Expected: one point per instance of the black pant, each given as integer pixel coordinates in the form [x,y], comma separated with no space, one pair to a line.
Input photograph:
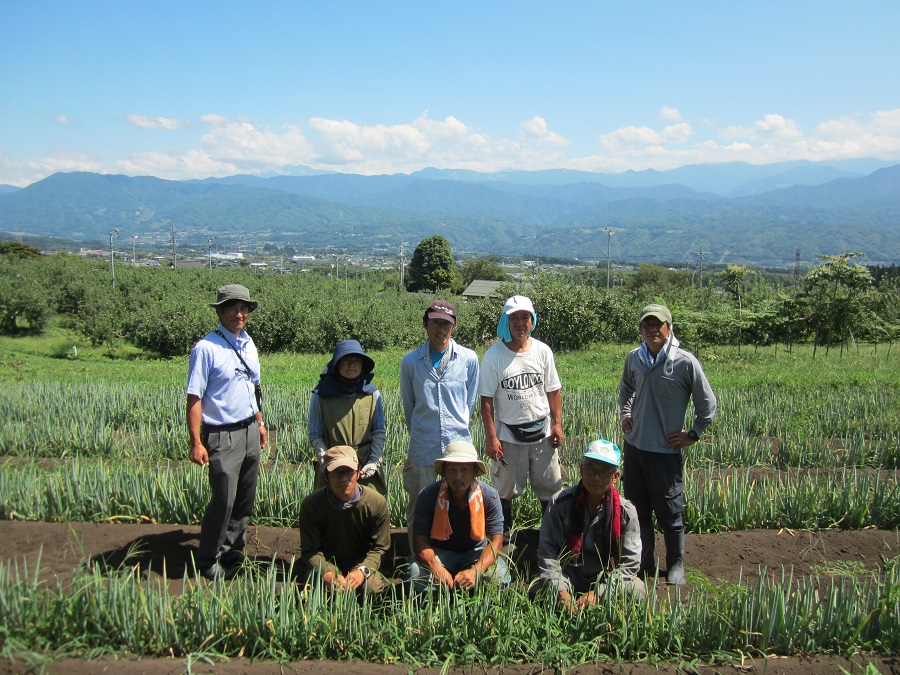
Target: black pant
[653,482]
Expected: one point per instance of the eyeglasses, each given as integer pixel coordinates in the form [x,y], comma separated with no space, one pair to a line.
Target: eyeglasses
[598,473]
[235,309]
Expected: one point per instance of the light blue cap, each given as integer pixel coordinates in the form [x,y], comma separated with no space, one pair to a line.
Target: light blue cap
[604,451]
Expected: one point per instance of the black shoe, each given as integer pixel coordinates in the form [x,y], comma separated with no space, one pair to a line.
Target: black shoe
[220,571]
[233,558]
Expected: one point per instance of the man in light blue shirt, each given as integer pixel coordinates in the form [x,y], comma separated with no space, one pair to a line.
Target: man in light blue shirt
[438,387]
[226,430]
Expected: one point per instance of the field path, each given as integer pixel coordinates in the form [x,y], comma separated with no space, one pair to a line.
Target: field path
[63,546]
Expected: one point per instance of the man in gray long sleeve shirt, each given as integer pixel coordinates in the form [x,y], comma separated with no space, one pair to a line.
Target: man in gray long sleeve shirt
[589,535]
[658,382]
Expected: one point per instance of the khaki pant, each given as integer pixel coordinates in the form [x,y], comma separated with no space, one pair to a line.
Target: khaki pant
[415,479]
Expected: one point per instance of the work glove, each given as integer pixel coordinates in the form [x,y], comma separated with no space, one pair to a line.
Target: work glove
[368,470]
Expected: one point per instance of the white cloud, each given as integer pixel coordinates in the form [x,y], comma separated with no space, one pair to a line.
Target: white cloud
[63,121]
[778,127]
[22,172]
[769,127]
[773,138]
[163,123]
[242,142]
[627,136]
[182,166]
[536,129]
[225,146]
[670,114]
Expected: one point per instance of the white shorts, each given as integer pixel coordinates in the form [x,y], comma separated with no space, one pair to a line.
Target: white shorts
[538,462]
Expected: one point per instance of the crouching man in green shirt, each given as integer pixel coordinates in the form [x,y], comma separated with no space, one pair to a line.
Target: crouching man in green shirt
[345,528]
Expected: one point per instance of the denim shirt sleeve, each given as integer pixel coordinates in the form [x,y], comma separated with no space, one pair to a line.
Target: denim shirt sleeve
[379,433]
[314,431]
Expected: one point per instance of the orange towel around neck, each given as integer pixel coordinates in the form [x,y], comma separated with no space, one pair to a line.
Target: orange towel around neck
[440,526]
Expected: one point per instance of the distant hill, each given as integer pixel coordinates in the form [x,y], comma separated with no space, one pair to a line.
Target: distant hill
[556,213]
[4,188]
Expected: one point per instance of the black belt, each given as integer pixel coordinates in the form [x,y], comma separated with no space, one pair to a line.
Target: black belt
[234,426]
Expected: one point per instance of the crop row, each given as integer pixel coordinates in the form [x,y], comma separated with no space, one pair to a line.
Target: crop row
[262,617]
[716,500]
[764,424]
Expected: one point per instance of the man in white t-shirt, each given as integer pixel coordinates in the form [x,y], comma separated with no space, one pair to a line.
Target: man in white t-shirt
[521,409]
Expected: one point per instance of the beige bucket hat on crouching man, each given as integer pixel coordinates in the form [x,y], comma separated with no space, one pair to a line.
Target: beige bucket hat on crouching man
[460,452]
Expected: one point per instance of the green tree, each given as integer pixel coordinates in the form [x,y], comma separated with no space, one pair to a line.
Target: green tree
[22,296]
[836,292]
[655,278]
[734,279]
[570,315]
[487,269]
[18,249]
[432,266]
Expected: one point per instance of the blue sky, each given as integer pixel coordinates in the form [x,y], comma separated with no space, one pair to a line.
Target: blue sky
[191,89]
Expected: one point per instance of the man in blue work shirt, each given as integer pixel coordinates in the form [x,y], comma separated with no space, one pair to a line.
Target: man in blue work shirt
[226,430]
[438,387]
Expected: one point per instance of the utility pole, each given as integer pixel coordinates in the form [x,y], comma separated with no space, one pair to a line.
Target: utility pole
[701,256]
[112,262]
[346,265]
[209,251]
[133,259]
[402,267]
[610,232]
[797,265]
[174,254]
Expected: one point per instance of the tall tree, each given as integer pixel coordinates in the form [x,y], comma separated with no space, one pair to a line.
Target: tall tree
[734,278]
[836,292]
[432,265]
[486,268]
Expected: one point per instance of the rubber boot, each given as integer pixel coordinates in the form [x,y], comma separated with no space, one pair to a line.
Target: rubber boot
[675,557]
[506,505]
[508,547]
[648,550]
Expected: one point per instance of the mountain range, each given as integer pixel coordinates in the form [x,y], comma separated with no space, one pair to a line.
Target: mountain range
[726,212]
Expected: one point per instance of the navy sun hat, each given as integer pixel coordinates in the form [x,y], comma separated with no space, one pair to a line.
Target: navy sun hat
[348,348]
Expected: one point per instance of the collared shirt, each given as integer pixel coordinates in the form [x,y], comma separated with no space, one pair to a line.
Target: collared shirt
[437,404]
[656,396]
[217,376]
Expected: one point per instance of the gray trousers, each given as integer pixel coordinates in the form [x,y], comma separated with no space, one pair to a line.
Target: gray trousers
[233,470]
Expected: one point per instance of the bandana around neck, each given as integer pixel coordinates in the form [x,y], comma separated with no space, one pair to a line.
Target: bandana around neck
[612,503]
[338,505]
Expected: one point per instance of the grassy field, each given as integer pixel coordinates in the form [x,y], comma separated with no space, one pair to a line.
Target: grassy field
[779,410]
[799,442]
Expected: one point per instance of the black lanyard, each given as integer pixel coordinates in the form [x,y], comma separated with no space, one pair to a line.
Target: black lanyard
[256,388]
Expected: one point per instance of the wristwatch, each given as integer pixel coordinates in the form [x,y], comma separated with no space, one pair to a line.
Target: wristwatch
[693,435]
[365,570]
[260,424]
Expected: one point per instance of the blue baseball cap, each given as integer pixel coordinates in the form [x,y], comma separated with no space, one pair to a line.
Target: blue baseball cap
[604,451]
